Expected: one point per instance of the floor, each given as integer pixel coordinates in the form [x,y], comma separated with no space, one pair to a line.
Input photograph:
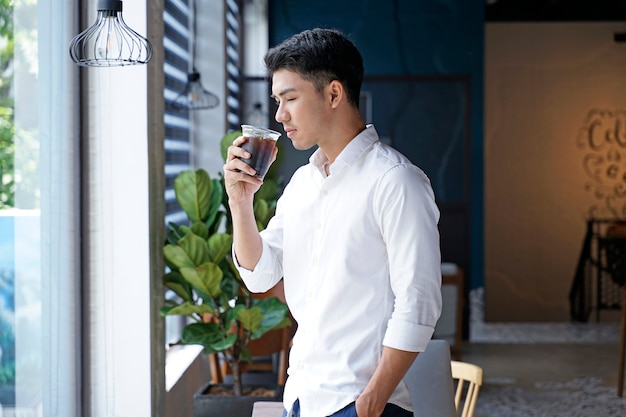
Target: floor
[546,369]
[547,380]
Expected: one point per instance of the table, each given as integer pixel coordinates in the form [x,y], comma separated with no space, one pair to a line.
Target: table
[267,409]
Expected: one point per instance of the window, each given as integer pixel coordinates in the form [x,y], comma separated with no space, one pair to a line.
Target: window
[233,64]
[39,213]
[177,124]
[177,121]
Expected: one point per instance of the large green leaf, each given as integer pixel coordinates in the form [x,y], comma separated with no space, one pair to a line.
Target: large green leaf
[220,245]
[193,192]
[209,335]
[250,318]
[231,314]
[224,344]
[261,210]
[217,192]
[176,257]
[175,282]
[196,248]
[188,309]
[268,190]
[204,334]
[274,313]
[227,140]
[175,233]
[231,285]
[200,229]
[205,278]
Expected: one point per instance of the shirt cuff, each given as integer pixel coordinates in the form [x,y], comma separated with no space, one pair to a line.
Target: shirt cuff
[260,279]
[407,336]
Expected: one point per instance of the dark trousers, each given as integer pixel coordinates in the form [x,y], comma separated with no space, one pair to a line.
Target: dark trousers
[391,410]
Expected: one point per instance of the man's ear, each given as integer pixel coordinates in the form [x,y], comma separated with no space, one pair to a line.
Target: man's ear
[336,93]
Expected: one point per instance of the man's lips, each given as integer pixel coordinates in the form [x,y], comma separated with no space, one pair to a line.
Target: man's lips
[289,131]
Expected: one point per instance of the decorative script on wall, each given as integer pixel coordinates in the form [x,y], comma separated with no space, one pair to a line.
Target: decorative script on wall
[603,138]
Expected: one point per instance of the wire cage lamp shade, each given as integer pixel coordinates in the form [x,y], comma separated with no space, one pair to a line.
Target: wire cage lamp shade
[109,42]
[195,96]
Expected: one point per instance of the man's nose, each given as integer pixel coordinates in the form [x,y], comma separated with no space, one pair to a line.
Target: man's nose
[281,114]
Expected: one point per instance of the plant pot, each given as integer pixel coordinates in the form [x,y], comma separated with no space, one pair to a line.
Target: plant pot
[221,405]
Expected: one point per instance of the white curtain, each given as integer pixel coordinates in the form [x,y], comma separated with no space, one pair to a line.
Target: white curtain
[59,174]
[120,340]
[87,335]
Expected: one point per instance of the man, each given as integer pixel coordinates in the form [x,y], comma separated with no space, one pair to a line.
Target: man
[354,236]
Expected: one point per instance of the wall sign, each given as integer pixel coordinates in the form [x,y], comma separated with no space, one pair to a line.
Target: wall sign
[603,138]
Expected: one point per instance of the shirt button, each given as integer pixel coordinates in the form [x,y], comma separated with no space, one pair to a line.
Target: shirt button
[324,192]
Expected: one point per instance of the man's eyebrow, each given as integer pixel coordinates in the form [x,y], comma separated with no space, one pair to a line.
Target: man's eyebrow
[282,93]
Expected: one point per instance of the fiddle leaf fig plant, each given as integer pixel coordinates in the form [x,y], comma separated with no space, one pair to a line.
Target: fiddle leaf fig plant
[223,315]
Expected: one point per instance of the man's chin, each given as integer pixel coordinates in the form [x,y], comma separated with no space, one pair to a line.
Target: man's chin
[301,146]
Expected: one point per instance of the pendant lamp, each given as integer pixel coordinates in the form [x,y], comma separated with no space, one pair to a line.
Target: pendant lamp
[257,116]
[109,42]
[194,96]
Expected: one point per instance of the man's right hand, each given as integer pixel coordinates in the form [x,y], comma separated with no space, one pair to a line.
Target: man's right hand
[239,181]
[240,186]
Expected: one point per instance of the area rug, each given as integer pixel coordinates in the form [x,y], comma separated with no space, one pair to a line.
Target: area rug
[582,397]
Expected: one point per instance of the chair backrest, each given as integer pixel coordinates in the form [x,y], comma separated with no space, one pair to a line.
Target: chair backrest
[430,382]
[468,378]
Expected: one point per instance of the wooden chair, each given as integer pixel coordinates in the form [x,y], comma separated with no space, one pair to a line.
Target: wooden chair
[468,378]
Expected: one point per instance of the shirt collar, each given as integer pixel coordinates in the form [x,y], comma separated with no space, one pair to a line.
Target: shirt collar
[353,151]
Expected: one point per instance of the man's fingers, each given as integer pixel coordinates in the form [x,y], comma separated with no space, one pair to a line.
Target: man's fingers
[235,150]
[274,154]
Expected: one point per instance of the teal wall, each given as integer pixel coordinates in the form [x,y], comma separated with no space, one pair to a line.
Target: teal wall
[416,45]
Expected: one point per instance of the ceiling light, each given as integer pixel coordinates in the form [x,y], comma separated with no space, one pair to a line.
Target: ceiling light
[194,96]
[109,42]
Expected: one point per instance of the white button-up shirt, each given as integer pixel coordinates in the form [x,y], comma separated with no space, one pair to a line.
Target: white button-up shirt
[359,253]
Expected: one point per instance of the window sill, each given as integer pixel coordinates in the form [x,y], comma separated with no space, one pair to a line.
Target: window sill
[177,361]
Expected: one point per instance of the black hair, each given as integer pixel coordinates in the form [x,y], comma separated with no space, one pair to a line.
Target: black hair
[320,56]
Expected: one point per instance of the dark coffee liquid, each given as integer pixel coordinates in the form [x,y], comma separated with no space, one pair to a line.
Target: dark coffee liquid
[261,153]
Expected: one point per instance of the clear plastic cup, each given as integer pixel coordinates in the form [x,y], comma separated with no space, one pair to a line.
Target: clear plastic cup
[260,142]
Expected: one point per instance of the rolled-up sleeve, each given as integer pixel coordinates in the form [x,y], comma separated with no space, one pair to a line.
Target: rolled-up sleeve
[408,221]
[266,273]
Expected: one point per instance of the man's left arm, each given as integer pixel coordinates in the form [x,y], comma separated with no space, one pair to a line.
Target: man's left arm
[408,218]
[393,366]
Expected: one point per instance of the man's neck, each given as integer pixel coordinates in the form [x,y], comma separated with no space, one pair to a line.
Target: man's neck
[341,137]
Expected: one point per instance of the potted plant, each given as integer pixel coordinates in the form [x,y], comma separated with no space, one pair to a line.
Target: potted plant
[224,316]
